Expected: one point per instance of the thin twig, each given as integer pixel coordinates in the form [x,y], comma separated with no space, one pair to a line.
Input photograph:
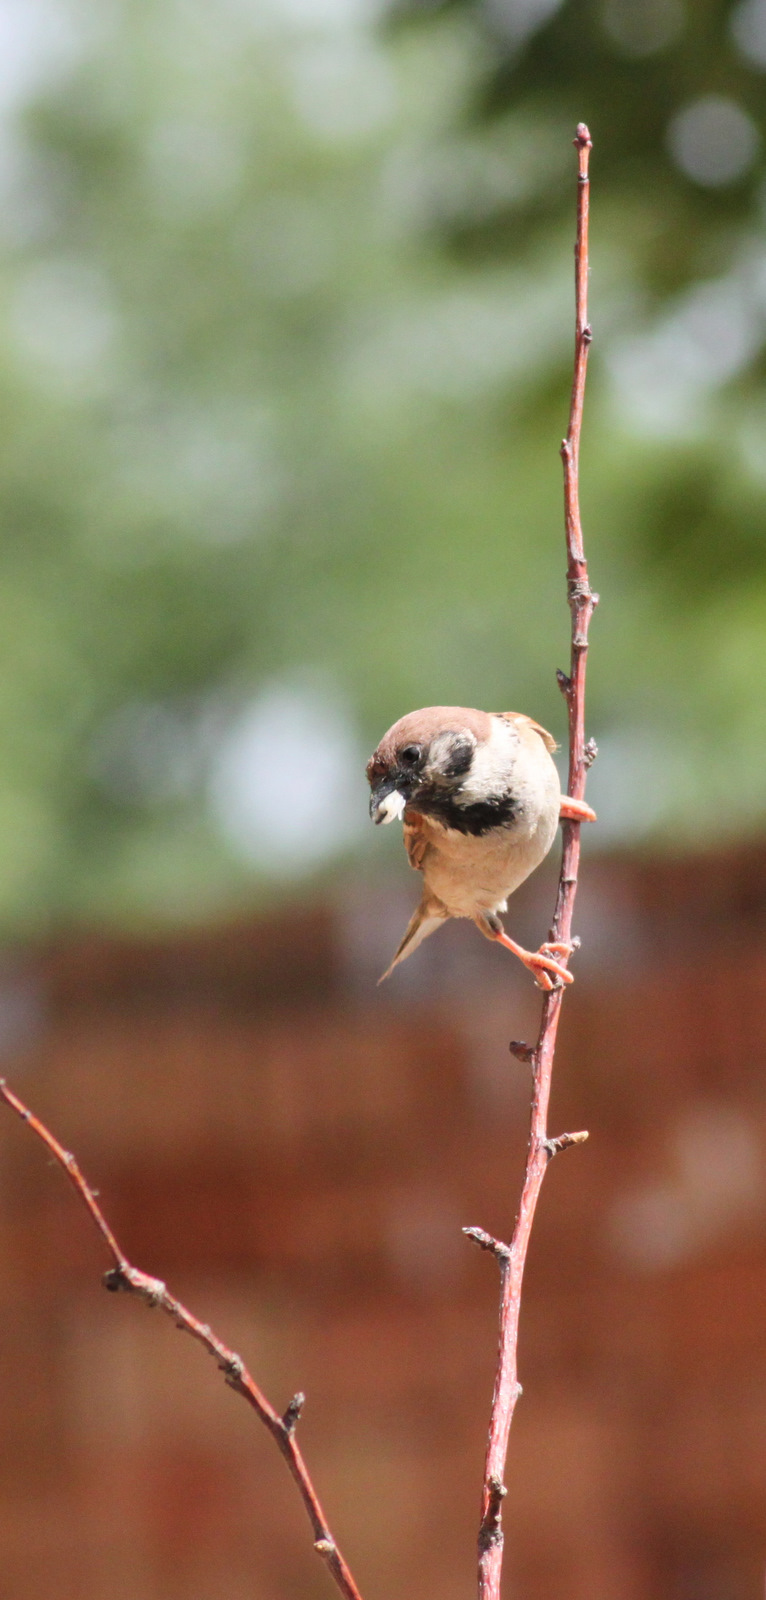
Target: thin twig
[153,1291]
[511,1258]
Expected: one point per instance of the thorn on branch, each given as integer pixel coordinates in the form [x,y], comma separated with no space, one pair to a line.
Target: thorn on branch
[564,1141]
[233,1369]
[491,1532]
[123,1276]
[486,1241]
[580,589]
[523,1051]
[291,1416]
[115,1279]
[590,752]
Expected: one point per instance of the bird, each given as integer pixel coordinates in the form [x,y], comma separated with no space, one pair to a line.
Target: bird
[480,800]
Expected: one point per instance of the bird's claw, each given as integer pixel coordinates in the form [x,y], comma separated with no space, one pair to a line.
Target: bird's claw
[542,964]
[548,973]
[575,810]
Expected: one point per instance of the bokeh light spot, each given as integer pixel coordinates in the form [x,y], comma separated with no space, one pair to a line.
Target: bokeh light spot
[288,787]
[643,29]
[63,321]
[713,141]
[748,28]
[516,20]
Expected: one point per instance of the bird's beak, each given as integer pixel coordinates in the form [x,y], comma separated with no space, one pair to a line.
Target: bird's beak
[386,801]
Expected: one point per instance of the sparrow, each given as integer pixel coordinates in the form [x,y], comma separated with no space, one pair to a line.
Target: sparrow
[480,800]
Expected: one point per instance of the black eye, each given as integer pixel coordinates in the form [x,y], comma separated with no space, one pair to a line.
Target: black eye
[410,755]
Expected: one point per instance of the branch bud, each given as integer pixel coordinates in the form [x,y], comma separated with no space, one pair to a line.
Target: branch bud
[291,1416]
[564,1141]
[523,1051]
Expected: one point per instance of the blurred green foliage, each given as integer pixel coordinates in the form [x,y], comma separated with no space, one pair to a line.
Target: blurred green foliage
[285,342]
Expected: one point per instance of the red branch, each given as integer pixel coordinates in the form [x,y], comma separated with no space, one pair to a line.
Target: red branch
[153,1291]
[511,1258]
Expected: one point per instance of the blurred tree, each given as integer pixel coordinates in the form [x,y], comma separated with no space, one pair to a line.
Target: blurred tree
[285,336]
[676,472]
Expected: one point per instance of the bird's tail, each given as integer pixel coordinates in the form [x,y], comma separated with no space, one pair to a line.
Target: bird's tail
[422,922]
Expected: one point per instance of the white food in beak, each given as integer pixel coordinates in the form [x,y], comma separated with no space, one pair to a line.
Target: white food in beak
[392,806]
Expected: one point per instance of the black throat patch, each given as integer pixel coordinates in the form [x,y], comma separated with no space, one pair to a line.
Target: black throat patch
[475,819]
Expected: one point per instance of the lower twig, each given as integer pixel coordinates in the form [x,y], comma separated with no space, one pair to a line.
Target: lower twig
[123,1276]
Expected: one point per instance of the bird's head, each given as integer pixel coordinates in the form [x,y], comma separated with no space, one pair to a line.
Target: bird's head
[426,751]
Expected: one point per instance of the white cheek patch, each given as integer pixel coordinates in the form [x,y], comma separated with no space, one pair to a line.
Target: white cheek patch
[492,763]
[392,807]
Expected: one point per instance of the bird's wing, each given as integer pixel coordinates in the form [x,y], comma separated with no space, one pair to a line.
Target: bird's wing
[534,727]
[417,837]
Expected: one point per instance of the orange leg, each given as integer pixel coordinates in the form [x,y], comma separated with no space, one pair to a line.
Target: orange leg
[575,810]
[540,962]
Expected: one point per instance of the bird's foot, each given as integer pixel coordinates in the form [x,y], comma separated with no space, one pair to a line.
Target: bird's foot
[575,810]
[548,973]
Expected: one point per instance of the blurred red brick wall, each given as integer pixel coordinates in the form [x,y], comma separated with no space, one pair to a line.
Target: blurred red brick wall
[296,1152]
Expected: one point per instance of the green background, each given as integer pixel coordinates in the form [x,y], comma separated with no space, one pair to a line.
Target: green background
[285,350]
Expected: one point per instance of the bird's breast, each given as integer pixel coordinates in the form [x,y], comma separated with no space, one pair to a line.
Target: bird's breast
[470,872]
